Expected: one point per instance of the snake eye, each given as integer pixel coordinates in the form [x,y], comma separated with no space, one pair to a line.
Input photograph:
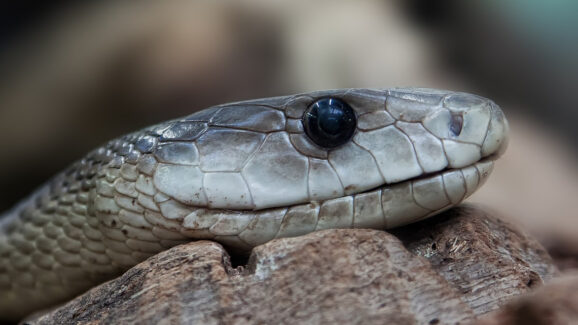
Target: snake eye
[329,122]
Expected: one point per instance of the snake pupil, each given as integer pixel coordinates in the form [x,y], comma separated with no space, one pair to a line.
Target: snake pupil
[329,122]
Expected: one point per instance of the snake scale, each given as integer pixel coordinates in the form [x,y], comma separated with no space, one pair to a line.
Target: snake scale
[243,174]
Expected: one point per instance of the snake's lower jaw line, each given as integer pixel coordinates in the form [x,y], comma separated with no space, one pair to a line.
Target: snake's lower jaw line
[431,194]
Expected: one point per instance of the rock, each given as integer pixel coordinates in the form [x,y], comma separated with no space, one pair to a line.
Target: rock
[564,252]
[486,259]
[556,303]
[447,270]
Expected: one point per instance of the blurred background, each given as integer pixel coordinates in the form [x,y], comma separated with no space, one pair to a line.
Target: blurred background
[73,76]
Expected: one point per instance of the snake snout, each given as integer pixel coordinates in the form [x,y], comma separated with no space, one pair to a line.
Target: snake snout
[496,140]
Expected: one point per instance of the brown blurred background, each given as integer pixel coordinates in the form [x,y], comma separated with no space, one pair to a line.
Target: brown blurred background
[74,76]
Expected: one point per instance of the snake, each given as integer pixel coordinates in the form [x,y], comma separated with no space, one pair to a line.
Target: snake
[243,174]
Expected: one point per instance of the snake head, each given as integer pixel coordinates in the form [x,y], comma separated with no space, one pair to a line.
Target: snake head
[243,174]
[290,150]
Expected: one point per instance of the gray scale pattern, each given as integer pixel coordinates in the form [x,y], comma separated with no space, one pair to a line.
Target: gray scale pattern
[243,174]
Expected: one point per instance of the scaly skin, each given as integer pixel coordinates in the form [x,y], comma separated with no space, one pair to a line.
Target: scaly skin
[243,174]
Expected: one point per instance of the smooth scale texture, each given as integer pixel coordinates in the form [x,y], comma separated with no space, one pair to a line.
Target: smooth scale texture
[243,174]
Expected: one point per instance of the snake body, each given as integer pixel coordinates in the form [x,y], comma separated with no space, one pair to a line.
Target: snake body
[243,174]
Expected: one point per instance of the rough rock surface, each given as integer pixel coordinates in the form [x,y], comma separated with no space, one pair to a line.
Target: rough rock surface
[447,270]
[486,259]
[556,303]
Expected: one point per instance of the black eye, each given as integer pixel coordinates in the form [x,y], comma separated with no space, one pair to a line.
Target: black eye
[329,122]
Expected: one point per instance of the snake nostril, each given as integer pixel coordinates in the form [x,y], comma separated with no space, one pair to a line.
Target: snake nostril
[456,124]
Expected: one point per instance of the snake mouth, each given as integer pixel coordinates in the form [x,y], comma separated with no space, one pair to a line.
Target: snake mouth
[488,159]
